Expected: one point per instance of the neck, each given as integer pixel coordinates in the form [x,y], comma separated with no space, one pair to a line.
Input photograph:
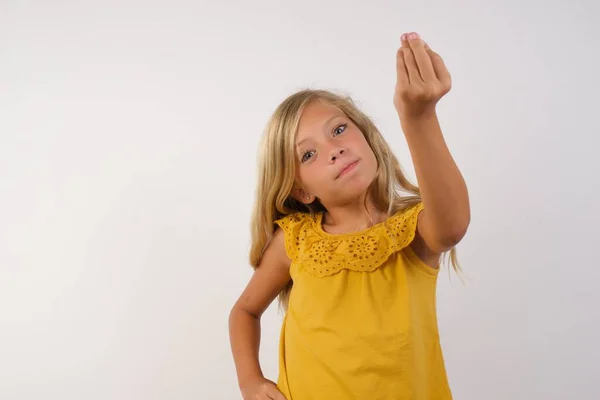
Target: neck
[352,217]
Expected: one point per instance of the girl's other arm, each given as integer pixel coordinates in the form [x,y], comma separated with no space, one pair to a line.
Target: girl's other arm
[268,280]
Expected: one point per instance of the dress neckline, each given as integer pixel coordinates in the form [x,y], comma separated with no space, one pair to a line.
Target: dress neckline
[318,225]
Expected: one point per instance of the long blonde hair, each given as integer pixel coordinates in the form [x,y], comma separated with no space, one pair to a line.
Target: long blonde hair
[276,173]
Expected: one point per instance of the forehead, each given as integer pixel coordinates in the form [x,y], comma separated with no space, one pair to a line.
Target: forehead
[315,117]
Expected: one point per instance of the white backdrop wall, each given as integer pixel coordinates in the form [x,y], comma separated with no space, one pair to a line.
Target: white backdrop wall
[128,142]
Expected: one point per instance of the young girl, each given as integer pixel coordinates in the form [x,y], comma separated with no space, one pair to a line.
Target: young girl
[355,263]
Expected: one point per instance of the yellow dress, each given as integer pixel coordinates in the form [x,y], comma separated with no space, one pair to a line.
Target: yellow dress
[361,321]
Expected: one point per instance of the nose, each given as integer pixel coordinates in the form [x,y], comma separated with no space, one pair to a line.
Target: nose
[336,152]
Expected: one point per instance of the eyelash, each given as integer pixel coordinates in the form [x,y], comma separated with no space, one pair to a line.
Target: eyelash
[303,157]
[339,126]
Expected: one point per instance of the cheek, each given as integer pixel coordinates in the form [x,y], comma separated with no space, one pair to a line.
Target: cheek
[366,153]
[362,146]
[311,176]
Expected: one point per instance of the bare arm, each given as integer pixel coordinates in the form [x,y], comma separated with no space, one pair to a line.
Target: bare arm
[422,80]
[269,279]
[444,221]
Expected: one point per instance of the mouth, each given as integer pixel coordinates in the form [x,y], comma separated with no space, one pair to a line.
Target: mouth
[347,169]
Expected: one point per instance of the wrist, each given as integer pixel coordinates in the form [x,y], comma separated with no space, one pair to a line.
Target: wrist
[250,378]
[417,117]
[419,124]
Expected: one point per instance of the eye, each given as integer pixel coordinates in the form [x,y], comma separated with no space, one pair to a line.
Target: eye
[337,131]
[306,156]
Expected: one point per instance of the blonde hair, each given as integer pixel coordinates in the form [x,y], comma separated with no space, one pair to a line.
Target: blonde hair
[277,168]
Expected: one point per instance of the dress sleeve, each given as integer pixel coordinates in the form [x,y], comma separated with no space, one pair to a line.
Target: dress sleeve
[292,226]
[403,226]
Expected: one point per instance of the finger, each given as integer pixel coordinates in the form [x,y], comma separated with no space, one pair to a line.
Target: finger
[422,57]
[274,393]
[409,61]
[439,66]
[401,72]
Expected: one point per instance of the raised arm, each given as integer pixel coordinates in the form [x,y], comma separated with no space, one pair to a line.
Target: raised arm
[421,82]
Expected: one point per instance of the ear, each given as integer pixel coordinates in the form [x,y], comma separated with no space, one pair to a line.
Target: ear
[302,196]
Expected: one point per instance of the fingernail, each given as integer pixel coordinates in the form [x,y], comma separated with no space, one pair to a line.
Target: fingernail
[414,35]
[403,37]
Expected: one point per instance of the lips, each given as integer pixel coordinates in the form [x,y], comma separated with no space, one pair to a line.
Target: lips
[346,168]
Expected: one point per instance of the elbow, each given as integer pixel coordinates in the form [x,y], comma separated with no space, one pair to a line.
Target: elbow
[444,230]
[234,314]
[446,239]
[231,319]
[456,233]
[238,311]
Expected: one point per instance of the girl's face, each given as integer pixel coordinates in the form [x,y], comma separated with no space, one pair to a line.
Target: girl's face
[334,161]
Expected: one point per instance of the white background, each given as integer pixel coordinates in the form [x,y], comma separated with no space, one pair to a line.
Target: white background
[128,142]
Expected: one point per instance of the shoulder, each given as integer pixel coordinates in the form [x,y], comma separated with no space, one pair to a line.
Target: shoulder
[271,276]
[404,222]
[293,220]
[411,218]
[293,229]
[410,210]
[293,224]
[275,251]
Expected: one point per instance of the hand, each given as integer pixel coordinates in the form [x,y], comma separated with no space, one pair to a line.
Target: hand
[261,389]
[422,78]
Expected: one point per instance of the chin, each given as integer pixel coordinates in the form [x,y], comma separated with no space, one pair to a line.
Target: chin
[355,187]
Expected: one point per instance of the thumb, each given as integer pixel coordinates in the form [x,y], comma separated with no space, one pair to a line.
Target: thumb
[438,65]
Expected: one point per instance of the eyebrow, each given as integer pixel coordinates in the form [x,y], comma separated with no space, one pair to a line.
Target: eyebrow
[326,123]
